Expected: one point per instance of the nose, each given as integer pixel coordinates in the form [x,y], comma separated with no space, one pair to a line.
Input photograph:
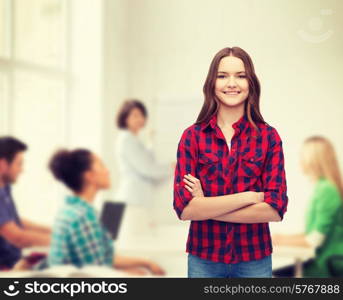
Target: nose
[231,83]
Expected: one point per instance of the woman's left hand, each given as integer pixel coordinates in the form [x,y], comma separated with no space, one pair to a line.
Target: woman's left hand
[155,269]
[137,271]
[193,185]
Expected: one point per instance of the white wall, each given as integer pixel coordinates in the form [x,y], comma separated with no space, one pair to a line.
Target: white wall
[171,44]
[115,78]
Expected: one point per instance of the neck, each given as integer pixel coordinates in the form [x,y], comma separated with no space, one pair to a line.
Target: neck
[229,115]
[133,131]
[2,183]
[87,194]
[313,178]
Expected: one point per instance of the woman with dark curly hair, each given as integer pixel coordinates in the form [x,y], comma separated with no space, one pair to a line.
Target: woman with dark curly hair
[78,238]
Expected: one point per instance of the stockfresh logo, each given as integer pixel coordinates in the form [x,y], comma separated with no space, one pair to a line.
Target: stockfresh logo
[315,31]
[11,290]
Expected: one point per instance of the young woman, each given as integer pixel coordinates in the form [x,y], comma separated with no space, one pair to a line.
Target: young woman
[139,172]
[78,238]
[324,217]
[230,179]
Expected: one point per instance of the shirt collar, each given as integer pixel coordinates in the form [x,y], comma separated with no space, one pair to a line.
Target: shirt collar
[239,126]
[5,189]
[76,200]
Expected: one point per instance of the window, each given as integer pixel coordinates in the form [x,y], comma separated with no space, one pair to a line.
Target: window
[40,32]
[51,71]
[34,88]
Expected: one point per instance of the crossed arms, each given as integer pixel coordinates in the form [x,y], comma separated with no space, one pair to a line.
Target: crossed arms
[245,207]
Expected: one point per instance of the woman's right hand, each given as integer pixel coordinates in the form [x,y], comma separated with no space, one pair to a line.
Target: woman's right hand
[193,185]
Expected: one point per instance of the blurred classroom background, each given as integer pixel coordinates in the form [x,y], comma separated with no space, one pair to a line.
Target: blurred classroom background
[66,67]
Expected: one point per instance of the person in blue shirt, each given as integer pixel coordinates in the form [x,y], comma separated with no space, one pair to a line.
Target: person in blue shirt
[78,237]
[15,232]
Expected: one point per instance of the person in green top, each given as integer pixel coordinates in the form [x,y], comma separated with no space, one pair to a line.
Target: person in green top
[324,216]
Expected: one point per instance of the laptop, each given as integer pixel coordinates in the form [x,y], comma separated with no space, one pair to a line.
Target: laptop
[111,217]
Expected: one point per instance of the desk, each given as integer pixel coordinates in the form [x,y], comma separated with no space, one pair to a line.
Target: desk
[167,247]
[286,255]
[167,244]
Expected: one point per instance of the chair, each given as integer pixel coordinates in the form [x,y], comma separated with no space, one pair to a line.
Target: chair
[335,265]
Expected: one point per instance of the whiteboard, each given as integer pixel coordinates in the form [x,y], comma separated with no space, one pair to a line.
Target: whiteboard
[173,114]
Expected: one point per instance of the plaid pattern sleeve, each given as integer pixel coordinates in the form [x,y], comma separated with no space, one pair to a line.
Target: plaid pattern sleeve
[254,162]
[274,178]
[186,163]
[78,237]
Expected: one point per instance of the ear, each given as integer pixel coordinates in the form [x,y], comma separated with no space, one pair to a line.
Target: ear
[87,176]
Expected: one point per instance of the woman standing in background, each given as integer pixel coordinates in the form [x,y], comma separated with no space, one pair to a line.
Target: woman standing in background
[324,217]
[139,171]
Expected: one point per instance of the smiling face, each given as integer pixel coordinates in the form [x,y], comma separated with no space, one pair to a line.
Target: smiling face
[231,86]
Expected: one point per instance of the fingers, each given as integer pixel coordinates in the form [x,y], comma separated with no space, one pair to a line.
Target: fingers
[157,270]
[191,183]
[191,178]
[136,271]
[188,189]
[188,182]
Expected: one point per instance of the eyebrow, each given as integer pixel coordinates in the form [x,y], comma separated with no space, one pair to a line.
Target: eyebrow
[228,73]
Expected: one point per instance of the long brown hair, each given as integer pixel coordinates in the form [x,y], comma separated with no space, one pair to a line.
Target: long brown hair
[211,102]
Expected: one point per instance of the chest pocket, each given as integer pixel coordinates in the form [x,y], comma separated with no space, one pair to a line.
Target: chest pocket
[208,166]
[251,165]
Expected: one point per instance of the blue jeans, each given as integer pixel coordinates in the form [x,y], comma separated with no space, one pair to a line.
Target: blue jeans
[199,267]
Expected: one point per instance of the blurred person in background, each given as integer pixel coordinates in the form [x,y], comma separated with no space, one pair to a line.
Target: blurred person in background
[15,232]
[139,171]
[324,216]
[78,237]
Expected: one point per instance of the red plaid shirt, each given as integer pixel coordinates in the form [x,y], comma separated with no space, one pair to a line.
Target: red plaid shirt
[255,162]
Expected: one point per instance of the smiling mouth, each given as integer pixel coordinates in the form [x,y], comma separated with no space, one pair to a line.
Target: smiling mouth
[232,93]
